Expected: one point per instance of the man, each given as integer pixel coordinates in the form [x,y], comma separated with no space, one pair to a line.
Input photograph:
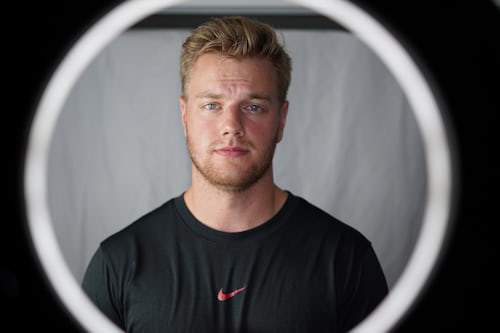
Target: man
[235,253]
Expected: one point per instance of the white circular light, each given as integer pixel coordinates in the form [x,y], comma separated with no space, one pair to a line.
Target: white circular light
[367,29]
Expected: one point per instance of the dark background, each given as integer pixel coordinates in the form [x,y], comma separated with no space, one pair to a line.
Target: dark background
[457,43]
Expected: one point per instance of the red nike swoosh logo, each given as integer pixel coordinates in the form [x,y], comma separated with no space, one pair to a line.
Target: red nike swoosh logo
[222,297]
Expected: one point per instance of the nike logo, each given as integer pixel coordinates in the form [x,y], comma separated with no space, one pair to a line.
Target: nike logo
[222,297]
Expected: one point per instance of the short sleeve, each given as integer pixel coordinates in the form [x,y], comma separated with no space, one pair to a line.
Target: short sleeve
[99,284]
[364,288]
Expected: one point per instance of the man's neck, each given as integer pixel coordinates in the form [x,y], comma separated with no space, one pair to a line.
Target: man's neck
[234,211]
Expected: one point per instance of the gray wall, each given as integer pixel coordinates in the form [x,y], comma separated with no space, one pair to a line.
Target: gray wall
[351,144]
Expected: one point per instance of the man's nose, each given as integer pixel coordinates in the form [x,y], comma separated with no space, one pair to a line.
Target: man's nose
[232,124]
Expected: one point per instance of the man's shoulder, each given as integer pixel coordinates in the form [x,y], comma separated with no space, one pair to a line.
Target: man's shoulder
[148,226]
[318,220]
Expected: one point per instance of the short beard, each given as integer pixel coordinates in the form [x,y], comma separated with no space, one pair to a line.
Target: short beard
[237,184]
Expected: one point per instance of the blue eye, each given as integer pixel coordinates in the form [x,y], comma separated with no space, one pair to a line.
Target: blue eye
[254,108]
[210,106]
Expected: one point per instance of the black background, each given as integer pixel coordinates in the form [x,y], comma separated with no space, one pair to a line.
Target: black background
[457,43]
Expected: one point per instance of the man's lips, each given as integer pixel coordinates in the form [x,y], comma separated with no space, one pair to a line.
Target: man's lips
[231,151]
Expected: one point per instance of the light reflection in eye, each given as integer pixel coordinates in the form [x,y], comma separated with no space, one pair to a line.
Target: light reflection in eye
[210,106]
[254,108]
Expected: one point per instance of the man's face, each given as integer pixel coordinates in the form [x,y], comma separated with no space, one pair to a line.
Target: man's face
[232,119]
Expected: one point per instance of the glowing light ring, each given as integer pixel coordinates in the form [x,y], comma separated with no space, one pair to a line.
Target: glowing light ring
[436,148]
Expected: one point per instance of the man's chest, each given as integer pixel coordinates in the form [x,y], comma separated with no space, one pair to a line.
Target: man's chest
[255,291]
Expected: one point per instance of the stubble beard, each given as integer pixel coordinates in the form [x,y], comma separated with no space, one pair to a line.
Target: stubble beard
[243,180]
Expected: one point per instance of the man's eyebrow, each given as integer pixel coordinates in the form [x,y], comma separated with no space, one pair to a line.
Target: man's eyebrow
[259,96]
[207,94]
[211,95]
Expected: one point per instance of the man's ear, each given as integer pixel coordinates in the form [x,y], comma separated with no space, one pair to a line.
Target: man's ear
[283,114]
[182,104]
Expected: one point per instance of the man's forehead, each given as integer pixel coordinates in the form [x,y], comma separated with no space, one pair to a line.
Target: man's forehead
[226,65]
[211,78]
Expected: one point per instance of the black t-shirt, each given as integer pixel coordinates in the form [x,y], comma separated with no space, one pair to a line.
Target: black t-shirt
[301,271]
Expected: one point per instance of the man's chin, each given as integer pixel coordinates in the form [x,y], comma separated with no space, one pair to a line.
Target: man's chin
[233,185]
[237,178]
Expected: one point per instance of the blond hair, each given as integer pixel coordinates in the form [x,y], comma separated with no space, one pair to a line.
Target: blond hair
[238,37]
